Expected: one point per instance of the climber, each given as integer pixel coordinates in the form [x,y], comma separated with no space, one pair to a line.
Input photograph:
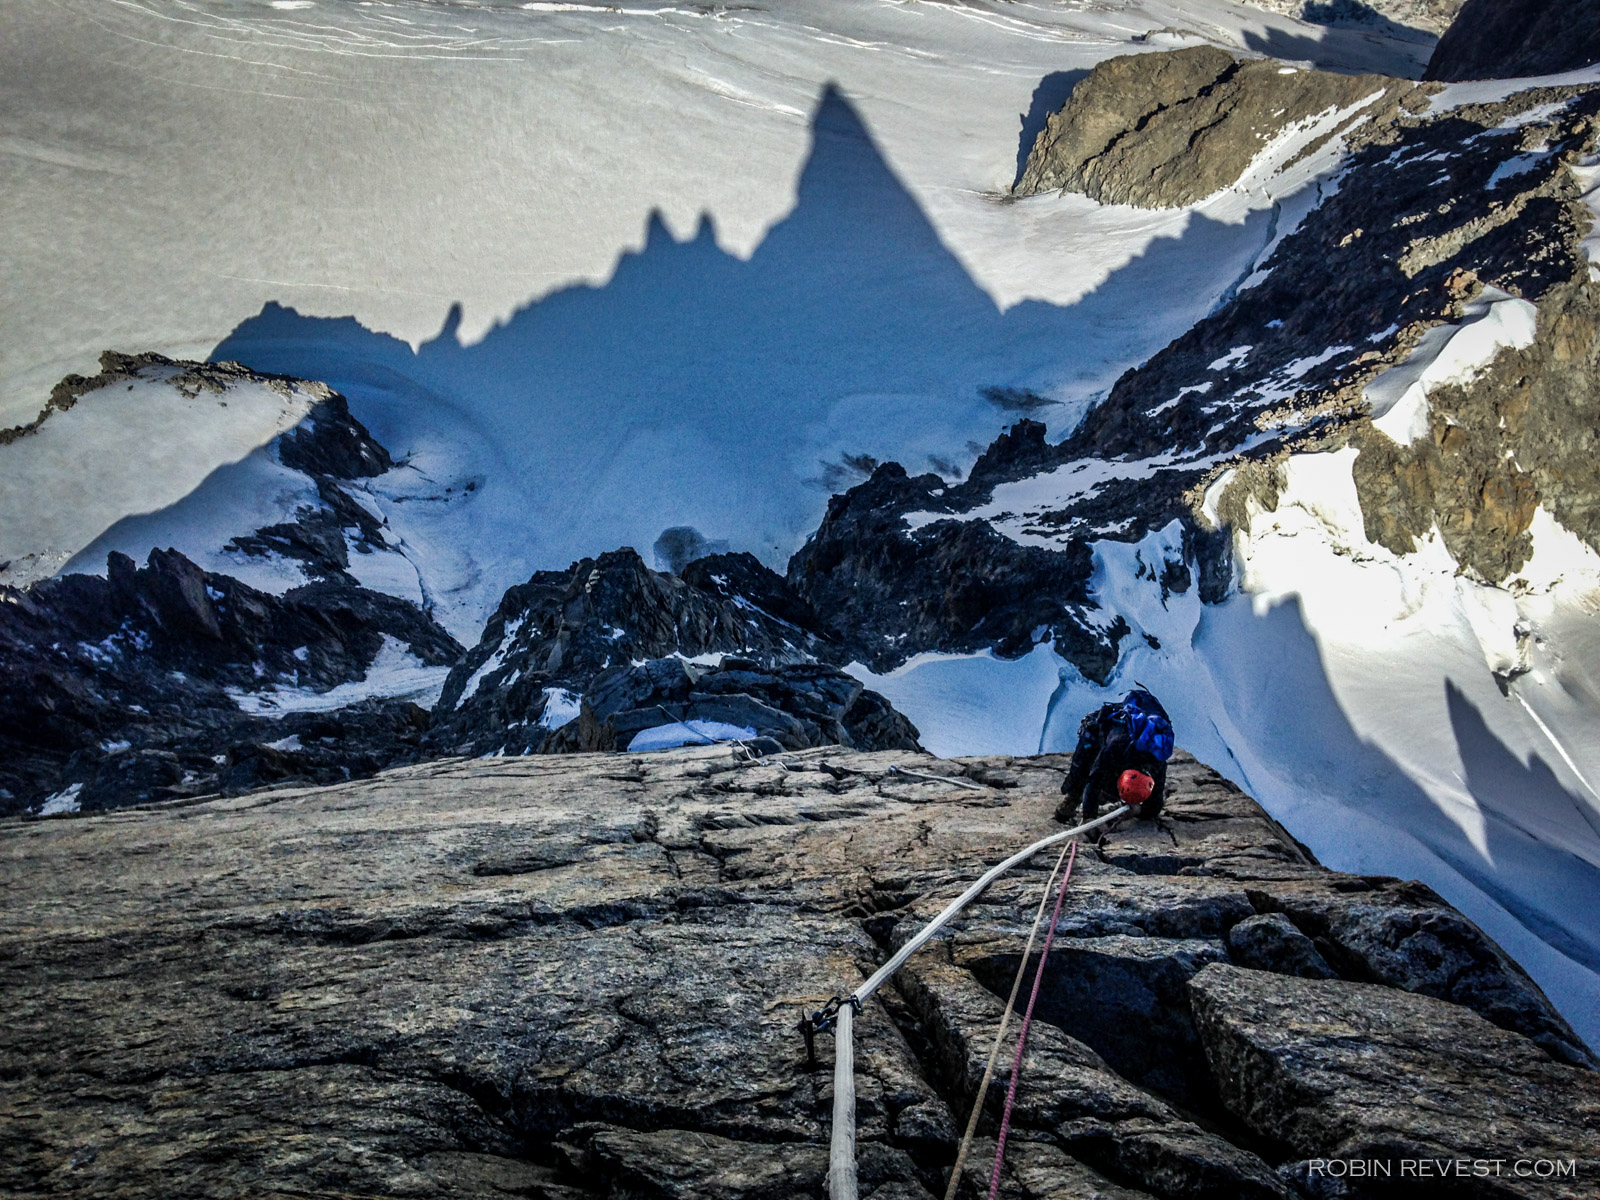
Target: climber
[1121,758]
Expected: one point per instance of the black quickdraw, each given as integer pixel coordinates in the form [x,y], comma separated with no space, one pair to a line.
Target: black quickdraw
[822,1019]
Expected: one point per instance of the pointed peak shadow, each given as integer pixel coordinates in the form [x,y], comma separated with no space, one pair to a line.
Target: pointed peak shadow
[694,387]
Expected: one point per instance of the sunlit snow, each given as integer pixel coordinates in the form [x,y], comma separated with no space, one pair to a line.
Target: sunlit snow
[395,674]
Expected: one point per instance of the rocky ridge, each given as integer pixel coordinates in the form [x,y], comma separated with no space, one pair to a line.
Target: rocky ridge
[188,377]
[1432,221]
[1163,130]
[128,688]
[580,976]
[585,659]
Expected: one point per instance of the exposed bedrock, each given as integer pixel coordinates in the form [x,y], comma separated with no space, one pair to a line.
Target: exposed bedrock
[1520,434]
[893,586]
[586,658]
[1336,1070]
[579,976]
[128,687]
[1506,39]
[1166,129]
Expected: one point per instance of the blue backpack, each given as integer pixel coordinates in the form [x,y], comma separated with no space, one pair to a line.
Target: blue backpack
[1148,726]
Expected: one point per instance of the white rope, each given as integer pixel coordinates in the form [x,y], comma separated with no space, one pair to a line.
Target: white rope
[971,894]
[964,783]
[842,1154]
[1005,1021]
[842,1151]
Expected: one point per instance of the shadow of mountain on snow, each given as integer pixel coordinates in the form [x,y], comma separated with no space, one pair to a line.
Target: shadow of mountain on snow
[698,389]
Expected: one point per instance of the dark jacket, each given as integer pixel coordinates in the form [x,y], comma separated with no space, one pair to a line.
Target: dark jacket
[1104,751]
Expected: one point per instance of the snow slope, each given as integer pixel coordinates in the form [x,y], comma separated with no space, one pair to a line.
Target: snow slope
[388,159]
[74,477]
[592,253]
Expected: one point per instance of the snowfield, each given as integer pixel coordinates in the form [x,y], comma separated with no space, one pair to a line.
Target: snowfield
[566,260]
[131,448]
[591,272]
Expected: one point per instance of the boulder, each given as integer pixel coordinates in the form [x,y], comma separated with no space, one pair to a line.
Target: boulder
[1270,942]
[1169,128]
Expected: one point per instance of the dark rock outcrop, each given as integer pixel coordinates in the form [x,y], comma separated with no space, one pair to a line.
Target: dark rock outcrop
[579,977]
[334,450]
[948,584]
[1507,39]
[1167,129]
[554,638]
[128,687]
[796,705]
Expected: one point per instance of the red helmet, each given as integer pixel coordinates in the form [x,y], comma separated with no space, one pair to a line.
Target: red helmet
[1134,787]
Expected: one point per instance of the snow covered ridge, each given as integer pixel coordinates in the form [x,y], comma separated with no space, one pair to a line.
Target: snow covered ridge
[139,436]
[264,478]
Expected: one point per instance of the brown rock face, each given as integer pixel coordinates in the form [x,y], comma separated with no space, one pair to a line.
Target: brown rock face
[580,977]
[1520,434]
[1165,129]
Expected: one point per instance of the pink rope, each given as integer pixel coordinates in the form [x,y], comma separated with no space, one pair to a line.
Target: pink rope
[1022,1035]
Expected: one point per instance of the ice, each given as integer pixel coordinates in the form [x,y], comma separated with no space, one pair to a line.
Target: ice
[395,674]
[64,801]
[687,733]
[560,707]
